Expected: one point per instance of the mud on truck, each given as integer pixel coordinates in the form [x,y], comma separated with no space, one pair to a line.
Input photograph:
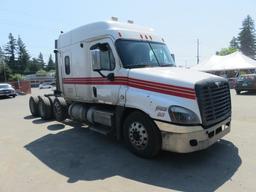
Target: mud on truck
[121,80]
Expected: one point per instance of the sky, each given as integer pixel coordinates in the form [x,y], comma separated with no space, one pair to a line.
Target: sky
[180,22]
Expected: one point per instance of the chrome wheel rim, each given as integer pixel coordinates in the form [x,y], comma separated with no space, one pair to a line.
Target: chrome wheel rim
[138,135]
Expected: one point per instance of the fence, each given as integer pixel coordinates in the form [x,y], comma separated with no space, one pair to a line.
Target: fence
[22,86]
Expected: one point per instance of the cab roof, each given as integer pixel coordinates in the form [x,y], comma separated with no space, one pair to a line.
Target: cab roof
[107,28]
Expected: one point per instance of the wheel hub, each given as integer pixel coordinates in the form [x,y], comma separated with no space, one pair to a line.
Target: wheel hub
[138,135]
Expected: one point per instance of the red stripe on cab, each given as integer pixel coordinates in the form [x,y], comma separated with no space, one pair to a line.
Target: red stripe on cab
[167,89]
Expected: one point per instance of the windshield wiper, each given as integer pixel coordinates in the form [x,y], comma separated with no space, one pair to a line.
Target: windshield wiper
[167,65]
[139,66]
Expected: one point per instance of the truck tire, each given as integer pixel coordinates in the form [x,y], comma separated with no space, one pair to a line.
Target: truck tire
[141,135]
[52,98]
[45,108]
[60,109]
[33,106]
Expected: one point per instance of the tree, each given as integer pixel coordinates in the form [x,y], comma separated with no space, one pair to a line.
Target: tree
[51,64]
[4,69]
[23,56]
[234,43]
[247,38]
[16,77]
[226,51]
[1,54]
[41,72]
[10,50]
[33,66]
[40,60]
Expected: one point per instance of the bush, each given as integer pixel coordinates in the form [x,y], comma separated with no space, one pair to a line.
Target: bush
[16,77]
[41,72]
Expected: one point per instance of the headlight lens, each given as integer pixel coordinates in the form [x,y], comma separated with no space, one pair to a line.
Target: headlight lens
[182,115]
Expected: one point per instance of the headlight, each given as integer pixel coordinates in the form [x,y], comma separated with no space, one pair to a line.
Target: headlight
[182,115]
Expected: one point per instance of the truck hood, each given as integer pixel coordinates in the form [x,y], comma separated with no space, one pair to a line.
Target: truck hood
[171,76]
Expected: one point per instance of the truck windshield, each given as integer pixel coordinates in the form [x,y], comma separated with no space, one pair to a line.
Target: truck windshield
[135,54]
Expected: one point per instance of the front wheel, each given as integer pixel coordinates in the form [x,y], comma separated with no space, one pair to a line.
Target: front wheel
[141,135]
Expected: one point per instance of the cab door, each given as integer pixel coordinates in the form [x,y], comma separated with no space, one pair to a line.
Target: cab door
[105,84]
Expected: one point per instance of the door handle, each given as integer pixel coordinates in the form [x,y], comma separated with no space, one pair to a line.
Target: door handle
[94,89]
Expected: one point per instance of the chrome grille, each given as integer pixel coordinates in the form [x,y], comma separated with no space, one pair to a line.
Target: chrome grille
[214,101]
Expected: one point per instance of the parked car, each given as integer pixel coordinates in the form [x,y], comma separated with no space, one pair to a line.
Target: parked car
[246,83]
[7,90]
[47,85]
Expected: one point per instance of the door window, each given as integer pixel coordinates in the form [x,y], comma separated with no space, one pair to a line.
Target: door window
[107,60]
[67,65]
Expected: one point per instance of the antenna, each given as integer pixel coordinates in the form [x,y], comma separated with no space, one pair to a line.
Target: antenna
[197,51]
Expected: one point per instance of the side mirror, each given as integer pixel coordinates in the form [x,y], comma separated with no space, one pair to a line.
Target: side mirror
[95,54]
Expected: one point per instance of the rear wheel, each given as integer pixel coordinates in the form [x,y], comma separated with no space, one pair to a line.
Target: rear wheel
[33,106]
[45,108]
[60,109]
[141,135]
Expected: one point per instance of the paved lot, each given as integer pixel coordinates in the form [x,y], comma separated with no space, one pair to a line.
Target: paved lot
[36,155]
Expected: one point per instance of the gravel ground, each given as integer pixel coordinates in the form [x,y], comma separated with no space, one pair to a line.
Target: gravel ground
[37,155]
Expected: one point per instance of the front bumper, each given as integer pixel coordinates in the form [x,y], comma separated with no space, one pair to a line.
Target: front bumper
[7,94]
[184,139]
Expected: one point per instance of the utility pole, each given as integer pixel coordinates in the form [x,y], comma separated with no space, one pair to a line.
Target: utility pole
[197,51]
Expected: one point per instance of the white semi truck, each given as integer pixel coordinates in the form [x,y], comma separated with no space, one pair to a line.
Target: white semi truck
[121,80]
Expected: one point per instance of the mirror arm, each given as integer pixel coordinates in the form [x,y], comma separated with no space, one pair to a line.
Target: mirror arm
[110,76]
[101,74]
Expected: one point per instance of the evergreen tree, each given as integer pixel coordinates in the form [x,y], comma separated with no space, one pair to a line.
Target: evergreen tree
[4,69]
[1,53]
[23,56]
[226,51]
[234,43]
[51,64]
[33,66]
[247,38]
[10,50]
[40,60]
